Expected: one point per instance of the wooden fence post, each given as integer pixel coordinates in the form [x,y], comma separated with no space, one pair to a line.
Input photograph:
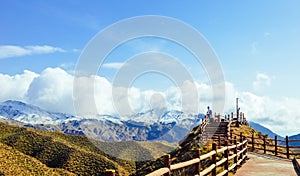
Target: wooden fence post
[235,152]
[252,142]
[246,145]
[241,117]
[214,159]
[167,164]
[242,146]
[226,155]
[198,166]
[237,123]
[110,172]
[275,145]
[241,136]
[264,143]
[228,131]
[231,131]
[215,117]
[287,147]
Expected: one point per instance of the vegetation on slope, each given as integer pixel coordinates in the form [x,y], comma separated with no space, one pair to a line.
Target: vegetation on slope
[55,152]
[13,162]
[179,154]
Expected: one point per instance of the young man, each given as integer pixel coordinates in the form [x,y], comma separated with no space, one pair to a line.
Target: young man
[209,114]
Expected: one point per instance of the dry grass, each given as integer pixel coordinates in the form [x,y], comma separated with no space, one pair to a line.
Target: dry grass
[13,162]
[56,152]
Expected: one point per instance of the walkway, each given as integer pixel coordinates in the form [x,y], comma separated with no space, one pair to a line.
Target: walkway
[261,165]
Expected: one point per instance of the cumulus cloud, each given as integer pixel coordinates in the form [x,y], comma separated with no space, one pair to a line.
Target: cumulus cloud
[15,87]
[52,89]
[262,81]
[7,51]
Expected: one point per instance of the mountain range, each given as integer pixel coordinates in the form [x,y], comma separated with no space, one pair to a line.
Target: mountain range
[171,126]
[295,137]
[264,130]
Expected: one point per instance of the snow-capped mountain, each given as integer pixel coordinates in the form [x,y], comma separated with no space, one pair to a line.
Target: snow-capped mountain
[171,125]
[25,113]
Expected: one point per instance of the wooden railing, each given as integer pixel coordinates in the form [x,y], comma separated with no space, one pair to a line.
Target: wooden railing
[232,118]
[236,152]
[274,146]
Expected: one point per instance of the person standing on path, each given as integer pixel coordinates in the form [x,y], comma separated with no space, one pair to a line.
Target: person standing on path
[209,114]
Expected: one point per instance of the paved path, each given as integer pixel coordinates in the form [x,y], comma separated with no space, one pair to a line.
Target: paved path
[261,165]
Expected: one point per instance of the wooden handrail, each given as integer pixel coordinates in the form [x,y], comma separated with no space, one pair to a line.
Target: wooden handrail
[184,164]
[238,153]
[276,145]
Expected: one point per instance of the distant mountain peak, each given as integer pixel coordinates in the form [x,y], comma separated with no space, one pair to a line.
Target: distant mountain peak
[27,113]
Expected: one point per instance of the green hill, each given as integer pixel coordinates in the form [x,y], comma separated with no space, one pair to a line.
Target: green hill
[24,150]
[13,162]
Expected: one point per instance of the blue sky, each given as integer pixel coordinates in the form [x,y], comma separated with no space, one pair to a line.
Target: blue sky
[258,42]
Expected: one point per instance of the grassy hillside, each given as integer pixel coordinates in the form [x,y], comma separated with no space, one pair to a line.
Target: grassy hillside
[54,153]
[71,153]
[13,162]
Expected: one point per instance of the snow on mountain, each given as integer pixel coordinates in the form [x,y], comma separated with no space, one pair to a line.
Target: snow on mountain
[171,116]
[165,117]
[30,114]
[110,118]
[149,117]
[162,124]
[34,115]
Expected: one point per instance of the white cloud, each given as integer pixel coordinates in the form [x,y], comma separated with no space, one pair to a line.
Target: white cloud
[67,66]
[113,65]
[44,49]
[279,115]
[7,51]
[262,81]
[15,87]
[52,89]
[75,50]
